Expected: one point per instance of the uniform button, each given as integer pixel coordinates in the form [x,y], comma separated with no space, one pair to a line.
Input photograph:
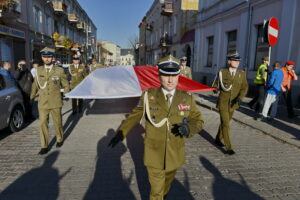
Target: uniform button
[168,139]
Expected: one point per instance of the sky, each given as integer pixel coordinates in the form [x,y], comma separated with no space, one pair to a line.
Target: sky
[116,20]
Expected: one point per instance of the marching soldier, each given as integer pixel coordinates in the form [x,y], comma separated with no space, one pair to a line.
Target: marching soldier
[171,115]
[47,84]
[233,87]
[77,72]
[94,65]
[185,70]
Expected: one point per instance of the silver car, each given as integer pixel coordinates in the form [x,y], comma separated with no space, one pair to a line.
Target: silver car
[11,105]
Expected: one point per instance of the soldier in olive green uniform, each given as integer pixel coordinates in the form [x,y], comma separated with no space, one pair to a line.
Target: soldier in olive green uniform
[47,85]
[233,87]
[185,70]
[94,65]
[171,116]
[77,72]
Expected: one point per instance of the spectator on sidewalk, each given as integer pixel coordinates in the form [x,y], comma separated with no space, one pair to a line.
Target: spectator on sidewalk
[260,81]
[289,76]
[24,79]
[35,65]
[273,90]
[5,70]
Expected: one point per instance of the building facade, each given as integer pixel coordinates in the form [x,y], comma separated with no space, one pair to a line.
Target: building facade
[110,53]
[165,29]
[26,27]
[224,26]
[127,57]
[14,32]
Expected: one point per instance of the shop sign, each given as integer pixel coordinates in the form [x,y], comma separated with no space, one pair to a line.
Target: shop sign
[11,32]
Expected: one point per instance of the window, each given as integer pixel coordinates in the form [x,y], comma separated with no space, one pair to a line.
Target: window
[231,45]
[174,24]
[48,25]
[262,47]
[19,4]
[210,49]
[174,53]
[40,21]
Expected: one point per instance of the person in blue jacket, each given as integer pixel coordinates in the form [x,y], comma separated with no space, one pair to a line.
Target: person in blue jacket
[5,70]
[273,90]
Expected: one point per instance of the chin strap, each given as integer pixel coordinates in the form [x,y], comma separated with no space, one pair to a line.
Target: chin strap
[147,111]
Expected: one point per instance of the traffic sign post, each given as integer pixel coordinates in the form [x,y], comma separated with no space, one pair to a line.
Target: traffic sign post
[272,33]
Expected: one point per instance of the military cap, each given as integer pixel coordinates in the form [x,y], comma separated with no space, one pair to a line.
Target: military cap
[76,57]
[94,60]
[234,56]
[183,59]
[47,52]
[169,65]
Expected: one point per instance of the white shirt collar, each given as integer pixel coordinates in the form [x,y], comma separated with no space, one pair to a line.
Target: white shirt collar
[172,92]
[49,67]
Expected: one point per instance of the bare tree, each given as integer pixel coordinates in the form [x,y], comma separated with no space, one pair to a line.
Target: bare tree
[133,41]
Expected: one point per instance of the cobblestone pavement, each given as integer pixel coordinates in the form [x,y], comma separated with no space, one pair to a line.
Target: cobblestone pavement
[85,168]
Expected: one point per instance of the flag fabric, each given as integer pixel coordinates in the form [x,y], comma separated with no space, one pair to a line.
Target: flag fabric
[126,81]
[189,4]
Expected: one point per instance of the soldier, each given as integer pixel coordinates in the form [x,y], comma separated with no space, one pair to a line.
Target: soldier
[233,87]
[171,115]
[94,65]
[77,73]
[47,85]
[185,70]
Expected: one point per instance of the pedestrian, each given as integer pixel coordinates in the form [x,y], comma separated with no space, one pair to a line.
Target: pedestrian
[171,115]
[35,65]
[24,80]
[260,81]
[289,75]
[233,87]
[47,84]
[273,90]
[184,69]
[77,72]
[94,65]
[5,69]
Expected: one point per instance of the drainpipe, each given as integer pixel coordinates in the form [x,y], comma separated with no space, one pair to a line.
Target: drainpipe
[248,36]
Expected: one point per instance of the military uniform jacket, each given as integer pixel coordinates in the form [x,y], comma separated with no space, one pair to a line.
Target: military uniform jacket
[47,85]
[162,149]
[77,75]
[239,88]
[186,72]
[93,67]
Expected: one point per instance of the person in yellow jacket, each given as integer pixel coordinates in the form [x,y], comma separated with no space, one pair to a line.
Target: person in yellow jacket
[260,81]
[171,116]
[47,86]
[77,72]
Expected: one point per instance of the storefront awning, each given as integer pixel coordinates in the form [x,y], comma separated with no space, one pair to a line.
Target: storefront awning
[188,36]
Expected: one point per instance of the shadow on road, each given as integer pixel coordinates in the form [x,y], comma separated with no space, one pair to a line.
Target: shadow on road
[210,139]
[108,182]
[39,183]
[225,189]
[112,106]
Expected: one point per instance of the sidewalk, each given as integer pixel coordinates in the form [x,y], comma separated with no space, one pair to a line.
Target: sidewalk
[282,128]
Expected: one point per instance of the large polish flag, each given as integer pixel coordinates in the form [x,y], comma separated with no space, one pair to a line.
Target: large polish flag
[126,81]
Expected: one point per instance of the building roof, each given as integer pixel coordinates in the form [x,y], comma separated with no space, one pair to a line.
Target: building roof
[125,52]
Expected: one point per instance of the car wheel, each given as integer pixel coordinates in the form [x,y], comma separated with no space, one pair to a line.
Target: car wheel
[16,122]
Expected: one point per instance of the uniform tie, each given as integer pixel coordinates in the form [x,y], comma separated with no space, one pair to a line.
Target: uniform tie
[169,100]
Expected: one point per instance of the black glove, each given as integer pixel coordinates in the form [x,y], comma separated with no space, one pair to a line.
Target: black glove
[115,140]
[181,129]
[236,100]
[216,91]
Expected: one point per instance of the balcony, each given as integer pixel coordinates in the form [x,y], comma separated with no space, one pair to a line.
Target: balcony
[149,27]
[59,7]
[73,18]
[80,26]
[167,9]
[9,9]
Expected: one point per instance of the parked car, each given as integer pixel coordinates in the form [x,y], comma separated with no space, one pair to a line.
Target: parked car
[11,105]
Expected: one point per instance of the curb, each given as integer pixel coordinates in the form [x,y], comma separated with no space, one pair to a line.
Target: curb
[253,127]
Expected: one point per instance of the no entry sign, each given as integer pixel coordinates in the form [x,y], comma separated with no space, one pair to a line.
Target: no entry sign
[273,30]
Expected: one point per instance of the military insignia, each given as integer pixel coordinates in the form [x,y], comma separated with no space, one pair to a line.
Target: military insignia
[181,113]
[184,107]
[152,98]
[153,108]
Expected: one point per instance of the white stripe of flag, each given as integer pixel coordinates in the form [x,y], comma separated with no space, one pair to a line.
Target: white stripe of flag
[273,31]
